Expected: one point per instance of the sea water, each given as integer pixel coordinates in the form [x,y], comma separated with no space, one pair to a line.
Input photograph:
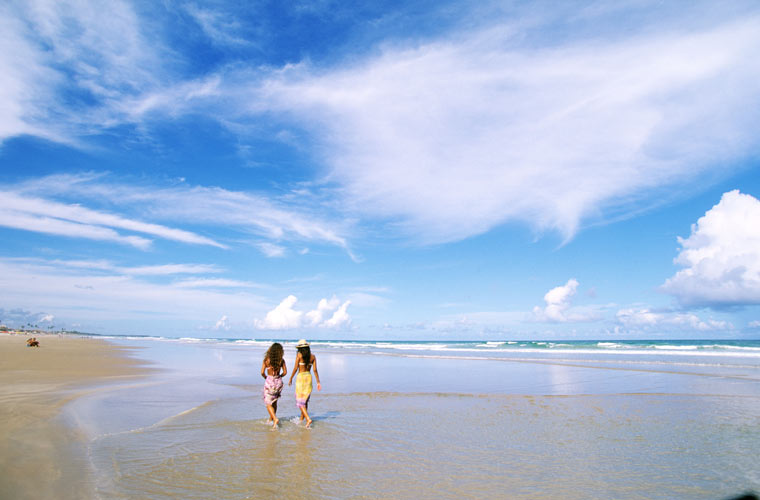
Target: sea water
[650,419]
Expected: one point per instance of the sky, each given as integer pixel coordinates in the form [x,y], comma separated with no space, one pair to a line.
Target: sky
[381,170]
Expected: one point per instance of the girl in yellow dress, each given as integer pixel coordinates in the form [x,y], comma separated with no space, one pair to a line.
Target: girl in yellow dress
[305,360]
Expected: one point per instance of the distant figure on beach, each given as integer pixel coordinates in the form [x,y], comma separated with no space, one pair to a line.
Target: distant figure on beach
[33,342]
[304,361]
[273,368]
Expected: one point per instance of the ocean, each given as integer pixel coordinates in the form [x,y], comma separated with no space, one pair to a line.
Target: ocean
[508,419]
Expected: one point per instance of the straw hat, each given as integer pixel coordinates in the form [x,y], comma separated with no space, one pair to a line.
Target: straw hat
[302,343]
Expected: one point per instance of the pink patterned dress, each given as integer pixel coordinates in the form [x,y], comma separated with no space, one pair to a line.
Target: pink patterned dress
[272,389]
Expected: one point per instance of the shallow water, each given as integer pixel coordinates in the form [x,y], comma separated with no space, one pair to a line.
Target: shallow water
[390,426]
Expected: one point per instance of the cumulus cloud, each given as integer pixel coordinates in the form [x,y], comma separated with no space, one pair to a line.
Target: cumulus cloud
[340,317]
[328,314]
[721,257]
[222,324]
[558,305]
[645,318]
[318,315]
[282,317]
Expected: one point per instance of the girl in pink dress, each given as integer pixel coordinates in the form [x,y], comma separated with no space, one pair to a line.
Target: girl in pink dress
[273,368]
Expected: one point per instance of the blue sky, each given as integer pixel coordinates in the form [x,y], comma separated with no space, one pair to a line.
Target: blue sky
[385,170]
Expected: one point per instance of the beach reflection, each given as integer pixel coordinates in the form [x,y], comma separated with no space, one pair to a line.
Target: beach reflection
[423,428]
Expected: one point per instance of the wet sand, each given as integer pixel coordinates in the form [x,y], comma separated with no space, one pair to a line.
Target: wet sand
[424,427]
[76,416]
[38,453]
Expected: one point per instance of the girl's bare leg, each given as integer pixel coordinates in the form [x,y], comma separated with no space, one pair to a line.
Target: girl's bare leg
[272,415]
[305,415]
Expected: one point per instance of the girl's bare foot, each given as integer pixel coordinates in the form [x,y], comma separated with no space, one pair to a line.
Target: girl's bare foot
[308,424]
[276,423]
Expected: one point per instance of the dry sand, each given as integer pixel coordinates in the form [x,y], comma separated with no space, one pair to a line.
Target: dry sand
[38,454]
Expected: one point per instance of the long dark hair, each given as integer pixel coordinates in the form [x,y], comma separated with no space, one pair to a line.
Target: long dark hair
[305,353]
[274,355]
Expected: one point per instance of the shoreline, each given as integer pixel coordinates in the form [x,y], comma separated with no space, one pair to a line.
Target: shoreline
[40,456]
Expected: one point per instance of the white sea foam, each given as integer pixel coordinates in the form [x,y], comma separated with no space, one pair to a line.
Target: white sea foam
[252,342]
[492,344]
[677,347]
[737,347]
[507,348]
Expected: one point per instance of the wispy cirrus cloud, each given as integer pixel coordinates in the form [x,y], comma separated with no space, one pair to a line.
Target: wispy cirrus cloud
[45,216]
[222,28]
[217,210]
[216,283]
[101,290]
[108,266]
[452,137]
[552,122]
[455,137]
[67,64]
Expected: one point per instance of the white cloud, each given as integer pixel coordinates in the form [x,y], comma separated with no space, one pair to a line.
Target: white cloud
[317,316]
[721,257]
[340,318]
[220,27]
[103,293]
[648,319]
[25,80]
[754,324]
[222,324]
[20,317]
[286,317]
[215,283]
[51,225]
[75,48]
[212,208]
[169,269]
[271,250]
[51,217]
[558,306]
[282,317]
[445,138]
[452,138]
[107,266]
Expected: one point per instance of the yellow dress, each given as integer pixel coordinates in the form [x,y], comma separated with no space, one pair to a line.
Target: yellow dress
[303,389]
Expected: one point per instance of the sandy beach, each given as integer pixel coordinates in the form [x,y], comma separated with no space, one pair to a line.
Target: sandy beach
[38,458]
[80,421]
